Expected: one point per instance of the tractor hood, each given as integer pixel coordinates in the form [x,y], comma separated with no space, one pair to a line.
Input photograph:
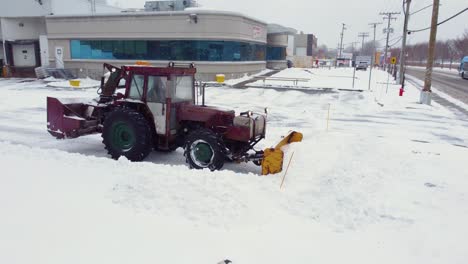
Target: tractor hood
[210,115]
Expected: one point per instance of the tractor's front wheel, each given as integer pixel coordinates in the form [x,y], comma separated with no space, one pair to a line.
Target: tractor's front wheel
[127,133]
[203,149]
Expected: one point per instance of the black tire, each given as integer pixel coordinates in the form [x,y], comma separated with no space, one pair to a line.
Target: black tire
[204,149]
[127,133]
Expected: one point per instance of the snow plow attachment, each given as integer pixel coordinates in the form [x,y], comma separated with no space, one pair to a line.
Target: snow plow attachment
[68,118]
[273,157]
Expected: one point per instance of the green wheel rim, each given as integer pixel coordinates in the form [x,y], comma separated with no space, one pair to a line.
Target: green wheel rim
[123,136]
[202,153]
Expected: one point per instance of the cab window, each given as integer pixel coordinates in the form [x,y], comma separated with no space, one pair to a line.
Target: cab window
[183,90]
[157,89]
[136,86]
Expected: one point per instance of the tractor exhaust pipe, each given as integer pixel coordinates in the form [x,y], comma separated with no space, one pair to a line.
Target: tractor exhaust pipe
[203,94]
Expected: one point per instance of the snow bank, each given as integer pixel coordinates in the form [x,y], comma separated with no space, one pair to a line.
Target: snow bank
[84,84]
[383,184]
[322,78]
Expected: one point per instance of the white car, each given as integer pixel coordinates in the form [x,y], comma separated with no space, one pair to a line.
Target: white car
[361,66]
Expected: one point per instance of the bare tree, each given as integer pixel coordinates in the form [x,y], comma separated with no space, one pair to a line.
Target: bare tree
[368,48]
[461,44]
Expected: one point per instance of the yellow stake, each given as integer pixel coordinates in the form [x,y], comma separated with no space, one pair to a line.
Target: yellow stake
[286,172]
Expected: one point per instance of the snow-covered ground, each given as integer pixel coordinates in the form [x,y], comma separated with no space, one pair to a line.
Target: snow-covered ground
[447,68]
[384,184]
[321,78]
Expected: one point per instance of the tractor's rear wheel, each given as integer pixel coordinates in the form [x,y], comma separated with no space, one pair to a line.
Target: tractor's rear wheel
[204,149]
[127,133]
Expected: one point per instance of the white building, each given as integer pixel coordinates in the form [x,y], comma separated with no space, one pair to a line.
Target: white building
[72,34]
[23,26]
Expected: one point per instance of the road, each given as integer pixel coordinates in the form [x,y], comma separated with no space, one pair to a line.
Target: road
[447,82]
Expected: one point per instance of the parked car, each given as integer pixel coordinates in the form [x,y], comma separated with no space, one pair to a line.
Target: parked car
[362,65]
[463,70]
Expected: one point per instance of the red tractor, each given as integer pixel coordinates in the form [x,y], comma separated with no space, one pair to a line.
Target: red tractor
[156,109]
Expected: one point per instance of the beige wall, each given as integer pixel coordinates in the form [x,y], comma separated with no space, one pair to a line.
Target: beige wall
[277,40]
[206,71]
[23,28]
[162,25]
[277,65]
[157,26]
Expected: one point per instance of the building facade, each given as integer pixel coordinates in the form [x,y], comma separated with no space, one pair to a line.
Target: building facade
[304,49]
[277,45]
[216,41]
[23,30]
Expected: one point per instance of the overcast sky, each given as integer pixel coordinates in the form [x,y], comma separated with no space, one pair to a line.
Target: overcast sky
[324,18]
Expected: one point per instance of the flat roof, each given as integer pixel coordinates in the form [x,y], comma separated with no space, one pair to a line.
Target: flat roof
[279,29]
[188,11]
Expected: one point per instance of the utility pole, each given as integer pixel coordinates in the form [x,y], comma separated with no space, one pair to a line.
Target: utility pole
[388,15]
[342,34]
[426,92]
[93,6]
[337,54]
[403,45]
[363,35]
[374,25]
[353,44]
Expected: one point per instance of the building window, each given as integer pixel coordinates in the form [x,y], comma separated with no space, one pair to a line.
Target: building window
[181,50]
[276,53]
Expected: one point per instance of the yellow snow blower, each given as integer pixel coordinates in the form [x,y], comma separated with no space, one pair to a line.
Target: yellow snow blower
[273,157]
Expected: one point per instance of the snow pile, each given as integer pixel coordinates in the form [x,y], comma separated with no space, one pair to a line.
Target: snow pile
[383,184]
[84,84]
[322,78]
[246,77]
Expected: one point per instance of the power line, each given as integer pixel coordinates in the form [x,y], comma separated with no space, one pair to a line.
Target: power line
[398,41]
[363,35]
[438,24]
[424,8]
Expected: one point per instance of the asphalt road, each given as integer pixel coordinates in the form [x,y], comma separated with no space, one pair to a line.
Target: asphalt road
[447,82]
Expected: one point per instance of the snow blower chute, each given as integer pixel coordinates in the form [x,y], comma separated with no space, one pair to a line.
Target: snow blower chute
[273,157]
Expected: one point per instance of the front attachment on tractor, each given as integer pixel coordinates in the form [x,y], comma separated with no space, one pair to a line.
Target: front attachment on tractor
[273,157]
[70,118]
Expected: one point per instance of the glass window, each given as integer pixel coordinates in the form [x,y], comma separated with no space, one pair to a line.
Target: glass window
[276,53]
[157,89]
[183,90]
[184,50]
[136,87]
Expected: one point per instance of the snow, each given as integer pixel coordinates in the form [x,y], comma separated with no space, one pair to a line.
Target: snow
[447,69]
[384,184]
[246,77]
[320,79]
[84,83]
[439,92]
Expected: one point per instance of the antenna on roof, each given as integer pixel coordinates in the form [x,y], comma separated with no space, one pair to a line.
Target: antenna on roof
[93,6]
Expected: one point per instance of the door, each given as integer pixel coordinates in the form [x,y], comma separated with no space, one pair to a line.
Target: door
[156,101]
[59,58]
[44,48]
[24,55]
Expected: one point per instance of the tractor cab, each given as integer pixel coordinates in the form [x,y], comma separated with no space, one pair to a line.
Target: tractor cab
[162,90]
